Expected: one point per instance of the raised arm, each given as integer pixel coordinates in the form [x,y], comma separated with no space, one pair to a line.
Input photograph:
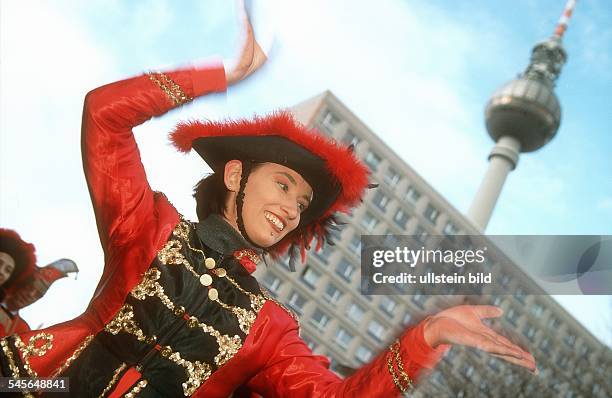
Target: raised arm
[115,175]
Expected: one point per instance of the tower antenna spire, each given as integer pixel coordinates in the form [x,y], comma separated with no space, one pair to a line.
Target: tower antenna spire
[564,19]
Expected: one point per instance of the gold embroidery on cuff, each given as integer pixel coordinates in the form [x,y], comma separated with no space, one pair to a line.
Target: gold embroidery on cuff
[113,380]
[170,88]
[74,355]
[9,357]
[403,382]
[30,349]
[136,389]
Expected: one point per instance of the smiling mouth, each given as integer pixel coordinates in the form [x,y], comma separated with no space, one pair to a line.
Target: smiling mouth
[275,221]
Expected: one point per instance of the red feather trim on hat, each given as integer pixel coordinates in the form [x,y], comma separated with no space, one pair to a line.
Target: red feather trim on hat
[350,172]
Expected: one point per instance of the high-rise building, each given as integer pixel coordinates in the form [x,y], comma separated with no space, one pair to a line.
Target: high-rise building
[336,320]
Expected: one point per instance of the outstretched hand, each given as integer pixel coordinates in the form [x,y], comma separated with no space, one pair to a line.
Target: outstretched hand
[463,325]
[251,56]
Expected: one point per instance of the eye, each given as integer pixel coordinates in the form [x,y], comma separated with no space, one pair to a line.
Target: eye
[282,186]
[302,207]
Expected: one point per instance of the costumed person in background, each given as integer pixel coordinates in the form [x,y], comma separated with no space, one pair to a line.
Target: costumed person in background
[177,311]
[22,282]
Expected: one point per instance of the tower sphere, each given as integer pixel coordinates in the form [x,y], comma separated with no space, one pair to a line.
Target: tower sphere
[525,109]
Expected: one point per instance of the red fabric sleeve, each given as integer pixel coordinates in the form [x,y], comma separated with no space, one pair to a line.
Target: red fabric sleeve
[293,371]
[116,179]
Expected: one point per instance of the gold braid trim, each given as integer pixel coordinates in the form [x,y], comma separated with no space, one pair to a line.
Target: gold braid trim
[113,380]
[197,372]
[136,389]
[403,382]
[11,360]
[170,254]
[170,88]
[30,349]
[74,355]
[228,345]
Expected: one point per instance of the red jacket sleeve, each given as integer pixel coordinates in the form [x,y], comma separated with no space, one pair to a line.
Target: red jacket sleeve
[293,371]
[115,176]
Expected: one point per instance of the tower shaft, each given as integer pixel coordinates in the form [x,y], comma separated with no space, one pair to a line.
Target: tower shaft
[502,160]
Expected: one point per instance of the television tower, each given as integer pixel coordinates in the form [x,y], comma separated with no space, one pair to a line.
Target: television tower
[522,116]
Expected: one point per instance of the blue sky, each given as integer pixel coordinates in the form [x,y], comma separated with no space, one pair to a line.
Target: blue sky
[417,73]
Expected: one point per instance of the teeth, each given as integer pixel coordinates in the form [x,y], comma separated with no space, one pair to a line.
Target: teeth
[275,220]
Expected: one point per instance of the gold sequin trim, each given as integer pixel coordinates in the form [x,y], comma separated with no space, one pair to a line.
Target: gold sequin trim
[136,389]
[403,382]
[74,356]
[170,254]
[113,380]
[31,350]
[170,88]
[228,345]
[11,360]
[197,372]
[124,322]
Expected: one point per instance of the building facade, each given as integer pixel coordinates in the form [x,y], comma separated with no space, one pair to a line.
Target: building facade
[336,320]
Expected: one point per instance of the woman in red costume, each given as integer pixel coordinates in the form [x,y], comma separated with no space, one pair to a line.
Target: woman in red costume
[177,312]
[22,282]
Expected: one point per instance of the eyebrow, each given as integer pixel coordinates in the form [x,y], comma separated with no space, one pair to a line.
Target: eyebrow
[293,182]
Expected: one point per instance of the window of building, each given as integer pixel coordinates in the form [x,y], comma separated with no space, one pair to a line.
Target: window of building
[350,138]
[324,254]
[431,213]
[519,294]
[419,299]
[545,344]
[373,160]
[512,316]
[319,319]
[310,343]
[355,244]
[369,221]
[376,330]
[529,331]
[381,200]
[553,323]
[332,293]
[355,312]
[329,119]
[412,195]
[406,319]
[345,269]
[297,302]
[504,279]
[343,337]
[536,309]
[272,282]
[450,229]
[387,305]
[421,234]
[392,177]
[467,370]
[401,218]
[569,339]
[310,277]
[494,365]
[363,354]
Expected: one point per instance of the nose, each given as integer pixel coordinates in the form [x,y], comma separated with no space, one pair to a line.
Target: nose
[290,208]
